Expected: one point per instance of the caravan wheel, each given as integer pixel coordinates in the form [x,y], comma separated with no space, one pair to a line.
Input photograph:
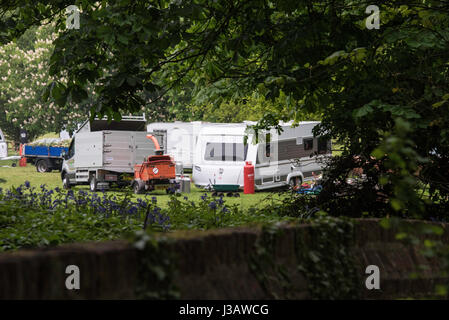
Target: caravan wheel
[294,183]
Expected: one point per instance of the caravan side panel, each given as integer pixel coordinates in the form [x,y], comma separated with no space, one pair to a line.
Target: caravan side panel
[3,146]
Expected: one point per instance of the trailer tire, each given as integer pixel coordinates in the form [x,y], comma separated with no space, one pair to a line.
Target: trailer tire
[294,182]
[42,166]
[138,187]
[93,183]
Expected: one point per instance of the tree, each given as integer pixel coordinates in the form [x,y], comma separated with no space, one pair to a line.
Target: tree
[24,76]
[319,53]
[254,108]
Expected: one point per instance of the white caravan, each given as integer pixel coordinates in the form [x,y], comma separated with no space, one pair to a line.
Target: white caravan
[4,149]
[279,159]
[178,139]
[3,146]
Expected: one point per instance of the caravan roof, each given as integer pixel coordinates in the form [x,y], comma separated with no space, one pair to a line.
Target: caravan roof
[240,128]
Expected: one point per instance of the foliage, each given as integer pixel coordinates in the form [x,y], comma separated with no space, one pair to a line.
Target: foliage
[214,212]
[31,216]
[253,108]
[402,167]
[291,204]
[431,239]
[24,76]
[40,217]
[157,267]
[327,261]
[271,275]
[320,54]
[323,256]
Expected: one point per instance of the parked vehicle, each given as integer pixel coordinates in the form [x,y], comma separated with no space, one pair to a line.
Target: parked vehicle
[45,158]
[3,146]
[104,153]
[4,149]
[280,160]
[156,173]
[178,139]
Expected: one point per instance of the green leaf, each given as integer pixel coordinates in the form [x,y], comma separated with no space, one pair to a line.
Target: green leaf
[363,111]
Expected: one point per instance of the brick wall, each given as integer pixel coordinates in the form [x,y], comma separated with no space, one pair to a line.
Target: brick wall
[216,264]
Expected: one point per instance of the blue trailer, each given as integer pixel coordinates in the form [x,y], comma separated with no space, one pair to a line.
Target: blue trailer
[45,158]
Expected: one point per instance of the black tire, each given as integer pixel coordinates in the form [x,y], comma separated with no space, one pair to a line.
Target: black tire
[93,183]
[294,182]
[42,166]
[137,187]
[66,182]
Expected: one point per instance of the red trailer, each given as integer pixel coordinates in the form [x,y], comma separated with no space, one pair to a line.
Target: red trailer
[155,173]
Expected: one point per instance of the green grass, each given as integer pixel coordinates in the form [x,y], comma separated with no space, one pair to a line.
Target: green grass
[15,176]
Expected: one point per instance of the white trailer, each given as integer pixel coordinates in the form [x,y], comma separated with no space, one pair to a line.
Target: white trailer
[4,149]
[3,146]
[102,153]
[280,160]
[178,139]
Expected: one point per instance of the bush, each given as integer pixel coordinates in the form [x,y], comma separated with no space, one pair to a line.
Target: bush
[32,217]
[35,217]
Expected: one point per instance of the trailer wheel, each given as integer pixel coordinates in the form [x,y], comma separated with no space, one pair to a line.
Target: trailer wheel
[93,183]
[294,182]
[138,187]
[42,166]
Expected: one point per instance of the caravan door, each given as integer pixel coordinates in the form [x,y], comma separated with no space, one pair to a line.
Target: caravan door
[267,170]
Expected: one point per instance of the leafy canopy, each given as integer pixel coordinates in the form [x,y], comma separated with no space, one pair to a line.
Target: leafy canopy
[318,53]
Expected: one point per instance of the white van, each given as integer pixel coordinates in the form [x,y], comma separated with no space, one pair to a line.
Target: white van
[103,153]
[279,159]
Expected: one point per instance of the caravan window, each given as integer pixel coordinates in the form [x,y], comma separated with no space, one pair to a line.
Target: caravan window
[268,145]
[227,151]
[322,145]
[308,144]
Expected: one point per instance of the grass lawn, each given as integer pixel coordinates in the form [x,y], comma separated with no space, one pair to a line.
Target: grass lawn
[15,176]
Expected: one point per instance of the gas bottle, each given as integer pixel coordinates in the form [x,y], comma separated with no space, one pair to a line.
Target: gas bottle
[23,160]
[248,178]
